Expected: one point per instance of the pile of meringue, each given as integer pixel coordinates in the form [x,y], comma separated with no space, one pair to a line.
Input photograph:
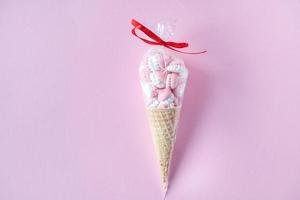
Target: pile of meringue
[163,78]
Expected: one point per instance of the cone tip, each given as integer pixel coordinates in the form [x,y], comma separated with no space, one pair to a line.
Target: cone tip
[165,194]
[165,190]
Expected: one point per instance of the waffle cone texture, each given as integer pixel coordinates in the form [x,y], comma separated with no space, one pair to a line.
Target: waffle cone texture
[163,124]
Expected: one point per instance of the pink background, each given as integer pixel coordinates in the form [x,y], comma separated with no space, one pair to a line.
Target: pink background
[72,121]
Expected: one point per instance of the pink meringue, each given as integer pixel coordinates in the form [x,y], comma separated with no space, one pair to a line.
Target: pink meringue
[163,79]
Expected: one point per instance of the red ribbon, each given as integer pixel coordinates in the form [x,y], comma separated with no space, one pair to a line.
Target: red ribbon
[157,40]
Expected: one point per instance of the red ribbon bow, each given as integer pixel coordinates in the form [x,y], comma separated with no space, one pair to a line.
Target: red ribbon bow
[157,40]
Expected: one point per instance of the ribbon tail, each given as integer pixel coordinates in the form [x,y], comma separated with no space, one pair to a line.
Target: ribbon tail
[201,52]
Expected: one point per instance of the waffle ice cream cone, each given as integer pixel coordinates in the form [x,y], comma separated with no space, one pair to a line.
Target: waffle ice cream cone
[163,77]
[163,124]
